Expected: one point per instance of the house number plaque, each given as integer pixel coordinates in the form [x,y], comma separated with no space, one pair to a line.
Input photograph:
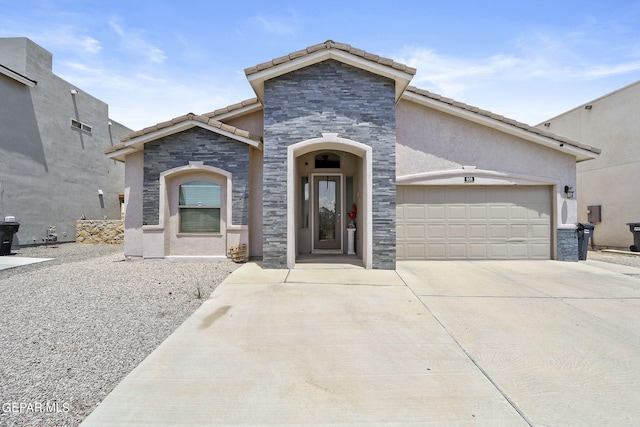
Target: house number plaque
[469,179]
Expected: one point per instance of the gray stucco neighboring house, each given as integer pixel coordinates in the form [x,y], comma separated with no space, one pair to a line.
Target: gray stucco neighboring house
[606,187]
[338,154]
[52,137]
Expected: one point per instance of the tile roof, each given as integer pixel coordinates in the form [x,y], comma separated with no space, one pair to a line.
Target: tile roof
[246,103]
[500,118]
[330,44]
[186,118]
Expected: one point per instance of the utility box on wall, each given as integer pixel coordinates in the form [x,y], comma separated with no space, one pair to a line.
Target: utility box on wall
[594,213]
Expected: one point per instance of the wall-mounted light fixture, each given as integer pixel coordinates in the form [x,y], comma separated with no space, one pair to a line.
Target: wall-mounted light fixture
[588,107]
[74,92]
[568,191]
[547,124]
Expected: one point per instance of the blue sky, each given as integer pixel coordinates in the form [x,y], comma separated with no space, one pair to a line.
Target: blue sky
[155,60]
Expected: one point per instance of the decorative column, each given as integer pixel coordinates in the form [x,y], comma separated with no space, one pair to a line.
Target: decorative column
[351,241]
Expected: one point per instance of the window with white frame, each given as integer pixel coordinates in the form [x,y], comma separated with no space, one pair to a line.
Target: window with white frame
[199,205]
[82,126]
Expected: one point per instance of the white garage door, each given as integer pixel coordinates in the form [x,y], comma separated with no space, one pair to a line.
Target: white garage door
[492,222]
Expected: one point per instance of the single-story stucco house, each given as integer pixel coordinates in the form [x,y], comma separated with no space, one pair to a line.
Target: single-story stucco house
[337,139]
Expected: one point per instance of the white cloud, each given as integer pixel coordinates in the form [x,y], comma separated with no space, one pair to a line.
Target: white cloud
[536,76]
[610,70]
[278,26]
[67,38]
[135,42]
[549,60]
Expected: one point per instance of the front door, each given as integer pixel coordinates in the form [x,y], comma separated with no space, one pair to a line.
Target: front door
[327,215]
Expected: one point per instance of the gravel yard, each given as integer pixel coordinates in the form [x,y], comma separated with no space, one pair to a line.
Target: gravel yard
[73,327]
[615,258]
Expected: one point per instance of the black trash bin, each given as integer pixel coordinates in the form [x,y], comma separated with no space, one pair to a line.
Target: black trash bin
[7,230]
[634,227]
[585,231]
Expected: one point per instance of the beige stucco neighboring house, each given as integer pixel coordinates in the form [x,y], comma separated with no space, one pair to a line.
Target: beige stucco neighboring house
[605,190]
[339,154]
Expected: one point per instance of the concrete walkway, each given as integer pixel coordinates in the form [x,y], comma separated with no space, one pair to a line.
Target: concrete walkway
[12,261]
[435,343]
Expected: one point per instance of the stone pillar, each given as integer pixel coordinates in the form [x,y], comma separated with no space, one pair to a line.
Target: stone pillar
[567,245]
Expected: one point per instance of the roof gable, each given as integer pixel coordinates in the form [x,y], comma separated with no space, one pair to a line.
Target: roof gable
[135,141]
[400,73]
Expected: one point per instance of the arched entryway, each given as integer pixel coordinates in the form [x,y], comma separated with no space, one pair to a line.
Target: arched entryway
[330,174]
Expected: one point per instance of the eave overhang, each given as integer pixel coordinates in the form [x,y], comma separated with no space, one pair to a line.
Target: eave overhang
[17,76]
[485,118]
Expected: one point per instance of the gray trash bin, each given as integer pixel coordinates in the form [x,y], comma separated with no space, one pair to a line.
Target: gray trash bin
[585,231]
[7,230]
[634,227]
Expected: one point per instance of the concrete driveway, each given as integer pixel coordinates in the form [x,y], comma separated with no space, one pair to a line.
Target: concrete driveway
[436,343]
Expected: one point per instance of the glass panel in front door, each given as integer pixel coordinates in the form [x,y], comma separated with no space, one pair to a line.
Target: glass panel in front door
[327,213]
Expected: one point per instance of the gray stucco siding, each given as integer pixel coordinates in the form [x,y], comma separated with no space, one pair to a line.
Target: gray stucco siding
[197,145]
[52,174]
[329,97]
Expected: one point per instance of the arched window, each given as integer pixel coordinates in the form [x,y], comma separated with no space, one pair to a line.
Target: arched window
[199,204]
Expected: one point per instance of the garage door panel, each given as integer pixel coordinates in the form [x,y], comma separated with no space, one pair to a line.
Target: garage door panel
[415,251]
[519,250]
[436,195]
[414,213]
[498,231]
[518,213]
[498,250]
[415,231]
[457,250]
[474,222]
[475,195]
[477,212]
[400,253]
[519,231]
[457,231]
[456,212]
[436,231]
[454,194]
[414,195]
[539,250]
[540,231]
[538,194]
[436,213]
[478,251]
[539,211]
[477,231]
[498,212]
[498,194]
[437,251]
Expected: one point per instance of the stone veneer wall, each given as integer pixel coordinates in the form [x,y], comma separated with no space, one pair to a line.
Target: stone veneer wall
[567,245]
[336,98]
[100,231]
[198,145]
